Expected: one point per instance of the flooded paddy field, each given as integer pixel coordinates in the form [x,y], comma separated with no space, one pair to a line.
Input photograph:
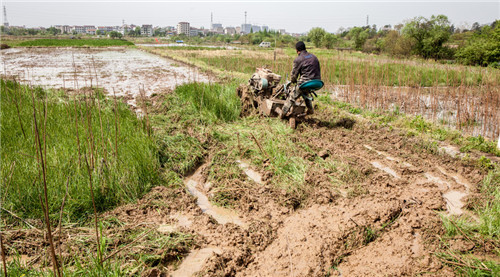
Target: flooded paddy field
[123,71]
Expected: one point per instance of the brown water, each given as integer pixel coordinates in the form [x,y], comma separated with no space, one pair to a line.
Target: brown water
[123,70]
[194,184]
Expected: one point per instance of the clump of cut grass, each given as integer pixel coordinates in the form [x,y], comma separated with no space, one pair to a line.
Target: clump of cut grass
[184,121]
[75,143]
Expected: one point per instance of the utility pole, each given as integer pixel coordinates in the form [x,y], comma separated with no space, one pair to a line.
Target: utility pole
[5,22]
[211,21]
[367,21]
[245,17]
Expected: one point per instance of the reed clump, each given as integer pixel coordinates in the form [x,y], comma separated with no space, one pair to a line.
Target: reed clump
[79,141]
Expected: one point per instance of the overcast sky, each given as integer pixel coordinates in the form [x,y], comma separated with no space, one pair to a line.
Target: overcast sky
[293,16]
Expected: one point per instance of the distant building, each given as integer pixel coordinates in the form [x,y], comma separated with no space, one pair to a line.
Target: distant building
[282,31]
[238,29]
[89,27]
[124,29]
[230,31]
[91,31]
[215,26]
[255,28]
[183,28]
[265,28]
[78,29]
[147,30]
[193,32]
[104,29]
[65,29]
[245,28]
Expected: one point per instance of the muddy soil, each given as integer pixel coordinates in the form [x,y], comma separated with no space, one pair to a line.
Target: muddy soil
[124,71]
[386,225]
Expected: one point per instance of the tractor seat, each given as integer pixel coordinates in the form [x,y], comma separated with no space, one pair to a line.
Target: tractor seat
[312,85]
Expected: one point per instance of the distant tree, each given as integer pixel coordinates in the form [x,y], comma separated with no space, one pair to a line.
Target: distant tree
[476,26]
[160,32]
[316,36]
[329,40]
[429,36]
[483,48]
[137,31]
[53,31]
[398,27]
[115,34]
[359,36]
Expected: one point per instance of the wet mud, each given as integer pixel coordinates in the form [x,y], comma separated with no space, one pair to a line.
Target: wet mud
[126,72]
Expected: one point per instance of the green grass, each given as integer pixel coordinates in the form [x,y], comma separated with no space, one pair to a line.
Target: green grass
[340,68]
[184,122]
[162,250]
[75,42]
[200,122]
[116,179]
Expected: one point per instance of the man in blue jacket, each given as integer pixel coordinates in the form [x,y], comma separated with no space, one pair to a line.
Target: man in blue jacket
[306,65]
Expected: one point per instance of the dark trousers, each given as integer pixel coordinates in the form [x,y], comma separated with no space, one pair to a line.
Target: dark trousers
[293,96]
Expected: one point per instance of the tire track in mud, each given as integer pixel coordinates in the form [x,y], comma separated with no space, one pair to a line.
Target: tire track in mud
[421,183]
[384,231]
[197,186]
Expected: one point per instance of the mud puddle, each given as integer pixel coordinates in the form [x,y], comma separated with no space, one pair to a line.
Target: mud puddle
[388,157]
[252,174]
[221,215]
[454,197]
[194,262]
[386,169]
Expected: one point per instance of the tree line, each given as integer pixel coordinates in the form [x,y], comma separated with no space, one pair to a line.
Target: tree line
[429,38]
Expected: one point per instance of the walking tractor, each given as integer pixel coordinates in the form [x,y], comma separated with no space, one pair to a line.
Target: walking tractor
[263,94]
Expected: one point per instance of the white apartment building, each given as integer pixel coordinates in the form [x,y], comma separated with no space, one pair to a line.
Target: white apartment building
[78,29]
[147,30]
[183,28]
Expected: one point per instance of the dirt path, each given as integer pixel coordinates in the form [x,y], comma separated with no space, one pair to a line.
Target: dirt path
[381,222]
[386,228]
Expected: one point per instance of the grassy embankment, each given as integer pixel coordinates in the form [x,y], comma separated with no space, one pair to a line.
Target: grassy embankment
[74,43]
[87,141]
[339,68]
[81,132]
